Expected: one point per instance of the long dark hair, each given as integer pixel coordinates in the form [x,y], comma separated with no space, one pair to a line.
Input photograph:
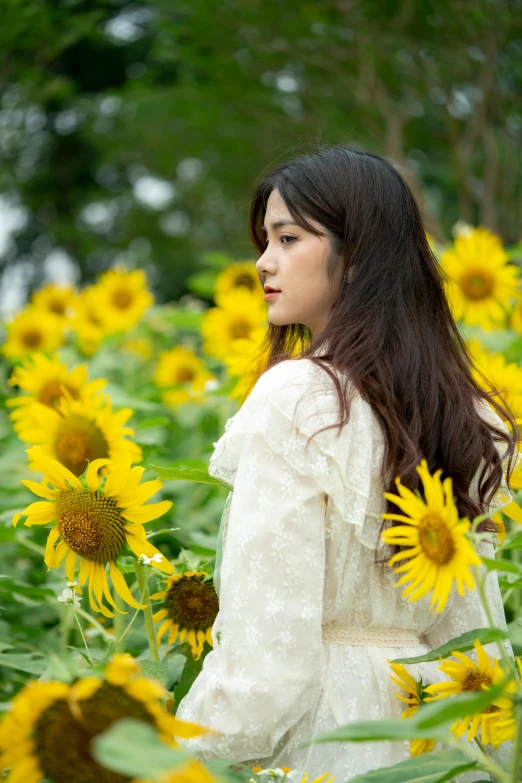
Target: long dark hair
[391,328]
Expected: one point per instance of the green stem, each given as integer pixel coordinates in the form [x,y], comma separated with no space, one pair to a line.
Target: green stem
[141,576]
[129,626]
[83,636]
[103,631]
[517,746]
[483,760]
[26,541]
[65,628]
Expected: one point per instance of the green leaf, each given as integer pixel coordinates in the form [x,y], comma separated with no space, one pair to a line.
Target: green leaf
[384,729]
[190,671]
[501,565]
[28,591]
[156,421]
[183,319]
[184,474]
[175,664]
[461,643]
[133,748]
[203,551]
[515,632]
[32,663]
[513,543]
[202,283]
[163,530]
[434,767]
[155,670]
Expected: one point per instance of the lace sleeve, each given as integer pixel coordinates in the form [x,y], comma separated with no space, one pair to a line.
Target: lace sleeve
[263,674]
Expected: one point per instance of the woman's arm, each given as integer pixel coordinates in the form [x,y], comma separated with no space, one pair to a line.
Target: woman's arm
[264,672]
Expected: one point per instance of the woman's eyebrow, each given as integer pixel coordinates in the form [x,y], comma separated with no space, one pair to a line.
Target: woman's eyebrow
[280,223]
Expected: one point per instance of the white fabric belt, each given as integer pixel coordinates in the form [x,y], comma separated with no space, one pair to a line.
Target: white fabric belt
[369,637]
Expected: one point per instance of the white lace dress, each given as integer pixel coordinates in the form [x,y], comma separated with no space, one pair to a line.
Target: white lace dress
[299,554]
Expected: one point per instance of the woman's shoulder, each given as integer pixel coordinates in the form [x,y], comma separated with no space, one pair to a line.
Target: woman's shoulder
[303,393]
[295,375]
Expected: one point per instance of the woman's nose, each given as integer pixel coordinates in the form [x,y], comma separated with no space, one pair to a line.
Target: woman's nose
[264,264]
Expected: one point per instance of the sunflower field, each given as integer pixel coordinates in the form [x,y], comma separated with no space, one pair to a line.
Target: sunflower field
[109,524]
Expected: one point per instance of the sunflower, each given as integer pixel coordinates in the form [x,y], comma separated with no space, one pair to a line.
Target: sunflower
[46,380]
[32,330]
[181,368]
[59,300]
[88,322]
[79,431]
[48,732]
[504,376]
[516,317]
[504,727]
[190,606]
[123,298]
[466,676]
[481,282]
[245,362]
[94,521]
[190,772]
[414,698]
[239,315]
[439,552]
[242,274]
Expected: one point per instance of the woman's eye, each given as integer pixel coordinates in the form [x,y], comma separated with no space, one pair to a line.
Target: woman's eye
[282,238]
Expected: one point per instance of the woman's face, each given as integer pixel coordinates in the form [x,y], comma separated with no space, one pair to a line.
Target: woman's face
[295,262]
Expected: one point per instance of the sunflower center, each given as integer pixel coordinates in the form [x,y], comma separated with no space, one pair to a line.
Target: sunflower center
[240,329]
[90,524]
[184,374]
[122,298]
[63,742]
[192,603]
[245,281]
[79,440]
[52,392]
[32,338]
[93,318]
[435,539]
[474,681]
[57,306]
[477,285]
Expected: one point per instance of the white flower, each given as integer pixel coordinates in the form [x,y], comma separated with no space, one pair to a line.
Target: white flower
[156,558]
[211,385]
[69,596]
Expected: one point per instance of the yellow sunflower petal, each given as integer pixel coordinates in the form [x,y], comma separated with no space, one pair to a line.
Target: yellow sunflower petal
[57,474]
[93,482]
[52,538]
[41,508]
[147,513]
[120,585]
[70,565]
[39,489]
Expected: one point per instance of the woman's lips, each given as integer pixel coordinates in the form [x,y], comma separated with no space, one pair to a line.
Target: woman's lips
[271,295]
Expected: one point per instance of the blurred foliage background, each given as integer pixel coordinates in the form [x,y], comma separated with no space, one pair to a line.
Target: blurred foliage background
[134,131]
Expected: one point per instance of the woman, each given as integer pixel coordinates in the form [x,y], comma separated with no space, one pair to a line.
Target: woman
[360,334]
